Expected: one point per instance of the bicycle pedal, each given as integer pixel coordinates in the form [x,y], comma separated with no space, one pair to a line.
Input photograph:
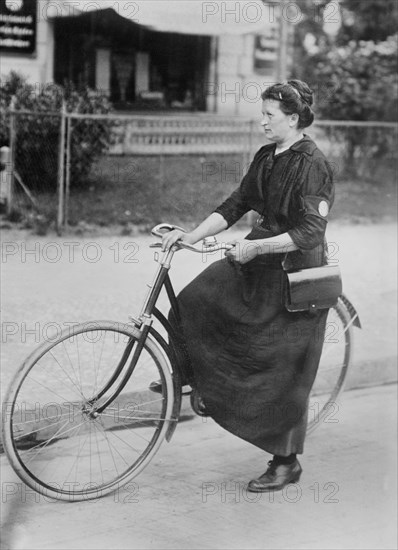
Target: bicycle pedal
[156,387]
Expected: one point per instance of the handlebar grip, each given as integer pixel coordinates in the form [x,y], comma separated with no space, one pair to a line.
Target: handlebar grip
[205,249]
[156,231]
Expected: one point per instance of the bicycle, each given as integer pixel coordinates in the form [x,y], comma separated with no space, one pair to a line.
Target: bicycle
[80,407]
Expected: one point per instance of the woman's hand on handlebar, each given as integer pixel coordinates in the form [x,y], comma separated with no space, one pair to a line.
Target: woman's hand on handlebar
[171,237]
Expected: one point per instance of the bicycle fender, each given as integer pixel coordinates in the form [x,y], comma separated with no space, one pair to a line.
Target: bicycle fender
[351,311]
[176,383]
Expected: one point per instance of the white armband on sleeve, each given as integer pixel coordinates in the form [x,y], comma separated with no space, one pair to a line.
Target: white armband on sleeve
[316,206]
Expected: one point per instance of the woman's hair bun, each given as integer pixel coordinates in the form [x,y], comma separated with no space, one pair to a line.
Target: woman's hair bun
[305,92]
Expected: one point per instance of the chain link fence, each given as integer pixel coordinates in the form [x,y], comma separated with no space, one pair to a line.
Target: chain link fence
[112,169]
[359,150]
[32,171]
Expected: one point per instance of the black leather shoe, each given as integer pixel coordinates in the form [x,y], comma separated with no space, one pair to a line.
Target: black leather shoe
[276,477]
[197,404]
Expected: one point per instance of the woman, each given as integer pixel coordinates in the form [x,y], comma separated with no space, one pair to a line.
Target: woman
[254,362]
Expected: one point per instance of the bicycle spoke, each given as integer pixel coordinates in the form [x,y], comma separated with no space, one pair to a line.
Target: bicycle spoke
[39,429]
[153,401]
[97,366]
[98,452]
[90,453]
[137,411]
[95,370]
[78,362]
[113,355]
[41,447]
[80,449]
[73,368]
[141,418]
[67,375]
[65,448]
[114,434]
[57,463]
[121,456]
[331,368]
[16,423]
[49,389]
[113,458]
[102,349]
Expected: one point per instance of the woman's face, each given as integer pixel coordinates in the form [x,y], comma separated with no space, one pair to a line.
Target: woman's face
[276,124]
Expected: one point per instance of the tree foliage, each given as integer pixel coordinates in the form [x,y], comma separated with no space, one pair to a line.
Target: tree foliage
[373,20]
[310,24]
[358,81]
[353,72]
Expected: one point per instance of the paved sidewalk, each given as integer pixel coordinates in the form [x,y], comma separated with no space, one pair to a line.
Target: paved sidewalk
[193,493]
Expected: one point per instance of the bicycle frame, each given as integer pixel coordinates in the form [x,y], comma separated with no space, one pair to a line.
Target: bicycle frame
[144,324]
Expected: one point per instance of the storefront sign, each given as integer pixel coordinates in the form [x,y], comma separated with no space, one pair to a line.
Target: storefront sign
[18,26]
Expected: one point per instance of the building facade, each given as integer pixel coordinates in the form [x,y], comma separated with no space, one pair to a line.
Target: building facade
[151,59]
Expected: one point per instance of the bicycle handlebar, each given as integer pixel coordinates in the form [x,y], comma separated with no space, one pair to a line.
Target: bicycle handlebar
[156,231]
[206,248]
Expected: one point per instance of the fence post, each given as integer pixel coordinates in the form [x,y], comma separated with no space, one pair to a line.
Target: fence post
[5,174]
[68,167]
[249,146]
[161,156]
[283,42]
[61,172]
[13,136]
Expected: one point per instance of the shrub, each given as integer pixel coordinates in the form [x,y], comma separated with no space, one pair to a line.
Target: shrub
[38,134]
[362,84]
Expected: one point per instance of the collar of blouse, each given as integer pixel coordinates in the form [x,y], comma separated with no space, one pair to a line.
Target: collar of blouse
[305,145]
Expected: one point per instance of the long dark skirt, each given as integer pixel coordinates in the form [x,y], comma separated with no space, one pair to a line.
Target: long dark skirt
[254,362]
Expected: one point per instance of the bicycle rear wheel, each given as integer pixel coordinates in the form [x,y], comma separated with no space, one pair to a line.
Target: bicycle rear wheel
[54,438]
[333,367]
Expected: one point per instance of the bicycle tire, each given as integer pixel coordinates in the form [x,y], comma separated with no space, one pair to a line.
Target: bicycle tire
[333,368]
[73,454]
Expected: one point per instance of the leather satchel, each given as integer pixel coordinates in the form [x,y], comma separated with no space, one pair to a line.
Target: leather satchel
[313,288]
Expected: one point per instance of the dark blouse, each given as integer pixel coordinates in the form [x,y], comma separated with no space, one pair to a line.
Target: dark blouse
[292,191]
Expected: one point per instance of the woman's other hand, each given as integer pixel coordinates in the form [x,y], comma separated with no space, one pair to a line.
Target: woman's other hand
[243,251]
[171,237]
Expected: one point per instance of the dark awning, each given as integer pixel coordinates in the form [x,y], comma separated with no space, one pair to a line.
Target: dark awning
[179,16]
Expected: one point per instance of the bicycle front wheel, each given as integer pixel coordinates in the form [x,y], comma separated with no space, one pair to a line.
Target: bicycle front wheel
[333,367]
[54,438]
